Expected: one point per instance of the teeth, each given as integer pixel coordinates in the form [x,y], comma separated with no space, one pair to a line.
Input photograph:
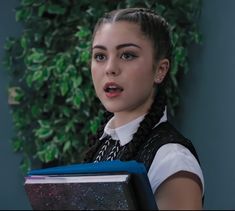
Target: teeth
[112,87]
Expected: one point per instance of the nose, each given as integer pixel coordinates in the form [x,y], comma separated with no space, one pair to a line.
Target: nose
[112,68]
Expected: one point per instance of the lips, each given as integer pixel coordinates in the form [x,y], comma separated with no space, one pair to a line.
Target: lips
[112,89]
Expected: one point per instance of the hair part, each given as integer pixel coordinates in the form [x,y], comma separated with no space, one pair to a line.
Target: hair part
[152,25]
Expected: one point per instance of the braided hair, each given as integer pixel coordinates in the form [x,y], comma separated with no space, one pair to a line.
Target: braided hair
[157,30]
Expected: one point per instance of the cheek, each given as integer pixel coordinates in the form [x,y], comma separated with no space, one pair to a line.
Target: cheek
[96,77]
[94,72]
[144,76]
[96,69]
[93,76]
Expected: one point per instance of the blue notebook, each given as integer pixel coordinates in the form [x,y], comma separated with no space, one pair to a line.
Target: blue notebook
[105,166]
[108,185]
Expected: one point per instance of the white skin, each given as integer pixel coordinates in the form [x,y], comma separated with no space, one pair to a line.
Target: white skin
[124,75]
[122,55]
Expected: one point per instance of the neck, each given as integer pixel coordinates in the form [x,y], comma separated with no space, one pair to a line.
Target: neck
[125,116]
[122,119]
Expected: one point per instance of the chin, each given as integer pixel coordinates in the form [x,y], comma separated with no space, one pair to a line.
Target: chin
[111,109]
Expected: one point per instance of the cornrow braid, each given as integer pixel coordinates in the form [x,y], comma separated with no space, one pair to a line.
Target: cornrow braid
[154,115]
[94,142]
[153,26]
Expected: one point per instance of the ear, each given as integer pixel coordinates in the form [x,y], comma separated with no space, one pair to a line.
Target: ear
[161,70]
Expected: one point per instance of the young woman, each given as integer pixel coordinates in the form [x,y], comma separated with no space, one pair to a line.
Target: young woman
[131,55]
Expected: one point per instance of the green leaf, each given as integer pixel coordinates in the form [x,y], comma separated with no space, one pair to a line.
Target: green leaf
[46,73]
[61,63]
[44,132]
[26,164]
[48,153]
[44,123]
[48,40]
[29,80]
[17,94]
[41,10]
[51,153]
[94,126]
[71,69]
[61,138]
[35,110]
[85,56]
[70,127]
[56,9]
[67,146]
[64,87]
[78,98]
[27,2]
[77,82]
[24,42]
[10,42]
[7,62]
[17,144]
[37,56]
[77,101]
[66,111]
[83,32]
[37,76]
[37,37]
[23,14]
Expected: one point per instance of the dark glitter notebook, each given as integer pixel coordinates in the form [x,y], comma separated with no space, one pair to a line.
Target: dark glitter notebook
[109,185]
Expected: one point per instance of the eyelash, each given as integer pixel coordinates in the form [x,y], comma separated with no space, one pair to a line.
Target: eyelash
[129,54]
[98,55]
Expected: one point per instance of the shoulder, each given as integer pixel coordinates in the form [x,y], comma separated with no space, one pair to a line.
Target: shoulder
[162,134]
[166,133]
[170,159]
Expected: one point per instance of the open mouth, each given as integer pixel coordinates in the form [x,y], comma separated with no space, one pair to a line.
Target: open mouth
[113,89]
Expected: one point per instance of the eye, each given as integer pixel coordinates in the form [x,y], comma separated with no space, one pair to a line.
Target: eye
[128,56]
[99,57]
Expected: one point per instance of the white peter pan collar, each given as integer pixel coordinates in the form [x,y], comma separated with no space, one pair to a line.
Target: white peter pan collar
[125,132]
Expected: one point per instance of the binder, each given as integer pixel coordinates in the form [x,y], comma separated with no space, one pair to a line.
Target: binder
[107,185]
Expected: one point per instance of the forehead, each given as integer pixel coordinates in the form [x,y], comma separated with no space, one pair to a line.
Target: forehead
[122,31]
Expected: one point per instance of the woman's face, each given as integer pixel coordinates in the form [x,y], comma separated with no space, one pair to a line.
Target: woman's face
[123,69]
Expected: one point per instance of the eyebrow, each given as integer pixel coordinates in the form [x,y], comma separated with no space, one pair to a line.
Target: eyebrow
[124,45]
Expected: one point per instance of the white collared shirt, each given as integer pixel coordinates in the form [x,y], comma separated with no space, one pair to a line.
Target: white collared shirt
[169,159]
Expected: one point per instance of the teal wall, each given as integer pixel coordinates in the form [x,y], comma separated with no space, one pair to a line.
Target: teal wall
[207,112]
[206,115]
[12,195]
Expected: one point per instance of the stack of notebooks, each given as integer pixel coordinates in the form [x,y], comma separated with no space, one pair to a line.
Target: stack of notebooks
[108,185]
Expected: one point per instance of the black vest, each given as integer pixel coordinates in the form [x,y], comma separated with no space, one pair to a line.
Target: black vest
[162,134]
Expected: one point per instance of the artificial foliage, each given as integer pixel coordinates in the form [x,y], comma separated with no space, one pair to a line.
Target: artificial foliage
[56,109]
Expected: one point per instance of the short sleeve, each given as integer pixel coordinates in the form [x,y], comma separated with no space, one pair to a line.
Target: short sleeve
[170,159]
